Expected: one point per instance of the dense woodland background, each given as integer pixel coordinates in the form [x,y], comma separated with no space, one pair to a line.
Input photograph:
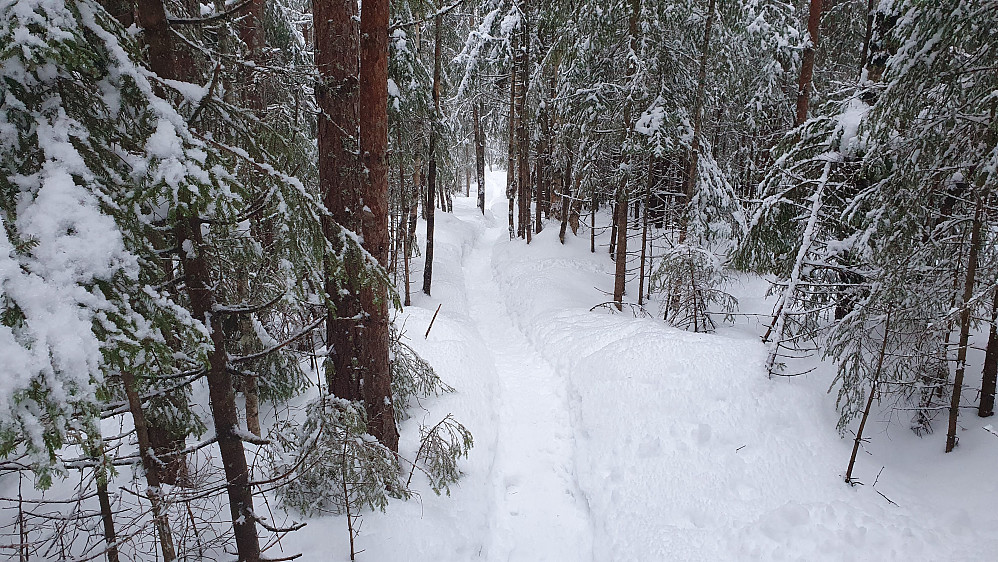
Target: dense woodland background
[210,208]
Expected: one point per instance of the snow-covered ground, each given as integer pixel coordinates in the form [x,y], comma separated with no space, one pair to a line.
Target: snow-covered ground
[606,437]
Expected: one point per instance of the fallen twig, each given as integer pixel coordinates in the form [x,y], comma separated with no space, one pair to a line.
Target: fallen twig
[431,321]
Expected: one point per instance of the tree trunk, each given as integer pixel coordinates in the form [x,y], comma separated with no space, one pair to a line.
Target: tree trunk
[807,61]
[522,136]
[542,165]
[613,230]
[405,212]
[868,37]
[479,154]
[965,320]
[431,176]
[566,201]
[337,47]
[694,168]
[620,274]
[374,147]
[150,465]
[592,224]
[511,145]
[644,233]
[220,391]
[414,201]
[989,375]
[197,272]
[467,173]
[622,197]
[869,402]
[107,517]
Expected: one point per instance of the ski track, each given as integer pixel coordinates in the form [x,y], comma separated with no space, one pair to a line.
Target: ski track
[539,511]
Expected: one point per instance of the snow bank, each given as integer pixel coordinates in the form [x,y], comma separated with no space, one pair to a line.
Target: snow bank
[686,451]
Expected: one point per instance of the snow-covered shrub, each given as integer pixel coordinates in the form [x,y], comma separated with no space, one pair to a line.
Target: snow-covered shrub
[412,377]
[328,463]
[439,450]
[690,282]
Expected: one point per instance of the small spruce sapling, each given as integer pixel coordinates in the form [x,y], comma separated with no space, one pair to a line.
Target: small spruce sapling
[691,281]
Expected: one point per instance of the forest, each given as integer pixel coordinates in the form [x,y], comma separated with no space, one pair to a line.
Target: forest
[694,278]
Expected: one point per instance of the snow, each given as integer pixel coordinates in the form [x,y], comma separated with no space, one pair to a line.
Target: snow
[607,437]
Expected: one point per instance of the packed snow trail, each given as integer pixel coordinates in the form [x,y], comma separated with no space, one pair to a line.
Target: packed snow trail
[540,513]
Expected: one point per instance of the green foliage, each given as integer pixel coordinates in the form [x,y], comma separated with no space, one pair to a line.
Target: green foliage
[328,463]
[84,170]
[440,447]
[412,377]
[690,283]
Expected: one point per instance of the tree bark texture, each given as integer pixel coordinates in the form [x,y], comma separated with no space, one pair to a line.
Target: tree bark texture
[620,275]
[107,518]
[337,51]
[622,197]
[644,233]
[566,201]
[374,147]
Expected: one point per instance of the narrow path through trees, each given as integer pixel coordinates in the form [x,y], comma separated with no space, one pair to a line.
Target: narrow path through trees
[540,511]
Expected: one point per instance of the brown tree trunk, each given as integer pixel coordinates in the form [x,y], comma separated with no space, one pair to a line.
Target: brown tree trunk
[522,137]
[542,166]
[644,232]
[480,154]
[575,206]
[253,34]
[622,198]
[565,200]
[467,173]
[694,168]
[620,274]
[251,392]
[406,211]
[164,61]
[989,376]
[220,391]
[431,176]
[374,147]
[337,47]
[107,517]
[511,145]
[868,37]
[417,199]
[807,61]
[592,224]
[965,319]
[150,465]
[613,230]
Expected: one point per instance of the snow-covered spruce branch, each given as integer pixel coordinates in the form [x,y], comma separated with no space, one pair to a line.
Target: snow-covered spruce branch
[301,333]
